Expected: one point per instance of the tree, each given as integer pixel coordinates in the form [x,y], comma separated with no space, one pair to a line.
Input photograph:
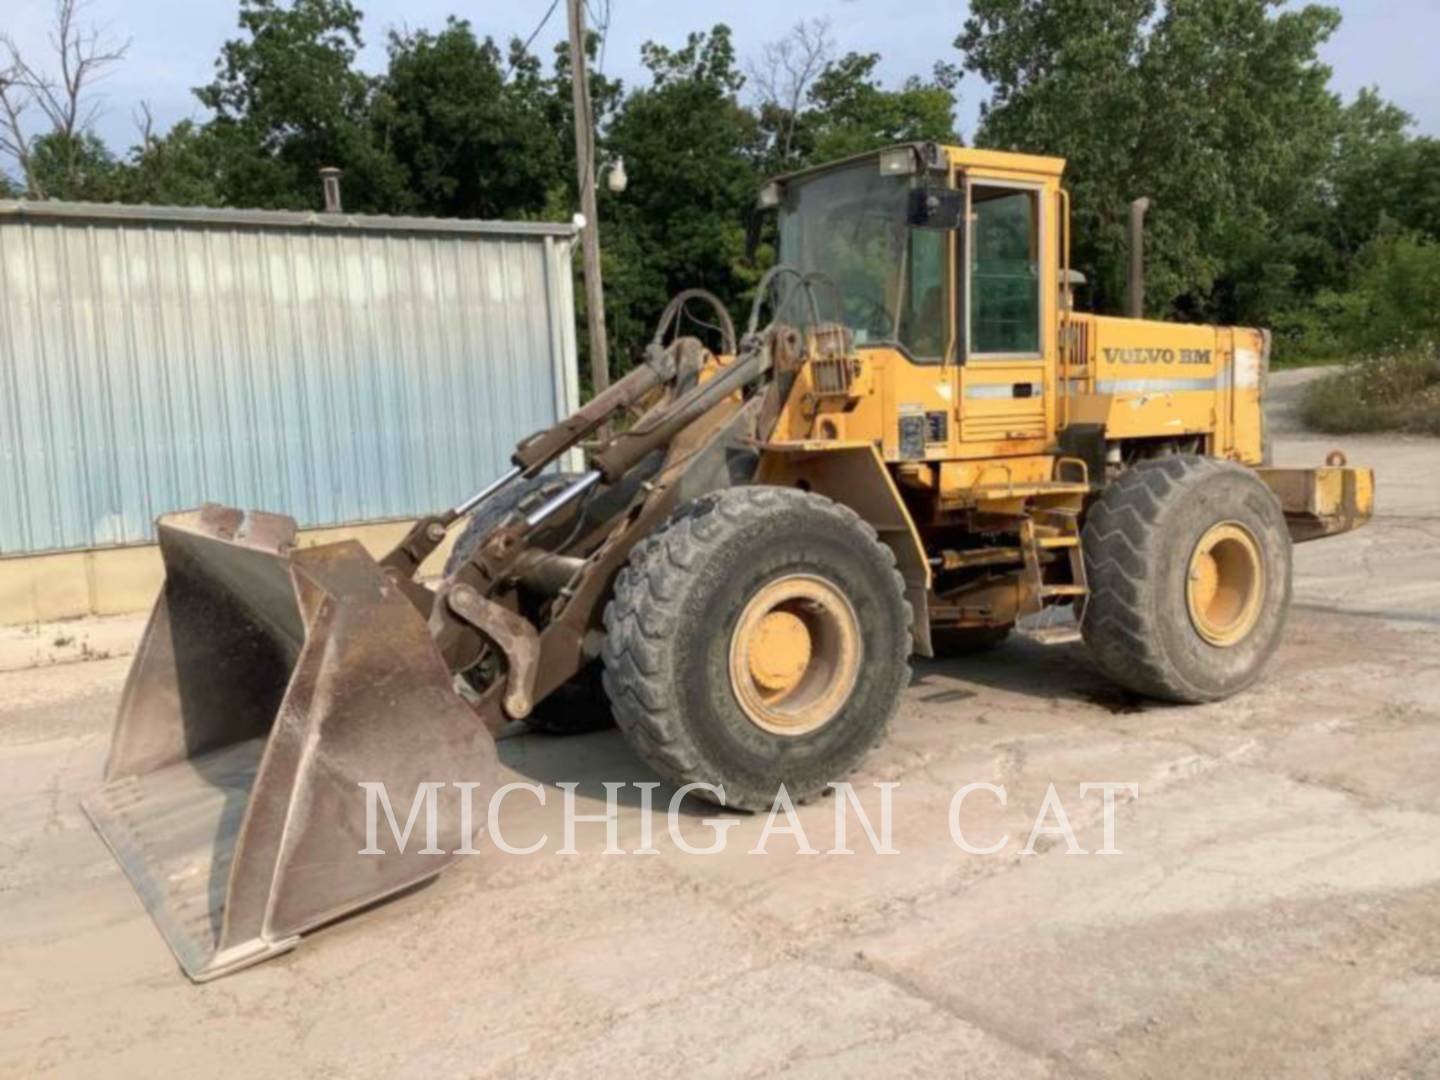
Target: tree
[783,77]
[474,137]
[851,113]
[1395,298]
[1381,175]
[174,169]
[60,161]
[288,101]
[1218,110]
[815,107]
[79,168]
[689,146]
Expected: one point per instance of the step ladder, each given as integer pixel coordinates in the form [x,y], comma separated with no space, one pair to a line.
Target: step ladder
[1053,530]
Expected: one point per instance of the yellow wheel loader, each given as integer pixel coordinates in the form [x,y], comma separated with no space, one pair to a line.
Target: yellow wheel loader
[915,446]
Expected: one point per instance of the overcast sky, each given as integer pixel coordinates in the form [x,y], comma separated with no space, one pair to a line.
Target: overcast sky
[1390,43]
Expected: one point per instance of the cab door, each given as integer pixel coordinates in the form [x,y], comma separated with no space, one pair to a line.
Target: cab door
[1004,396]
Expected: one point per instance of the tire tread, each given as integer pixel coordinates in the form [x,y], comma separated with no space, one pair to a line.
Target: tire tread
[1121,531]
[646,608]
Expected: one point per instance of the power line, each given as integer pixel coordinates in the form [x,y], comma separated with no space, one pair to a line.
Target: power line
[605,41]
[533,35]
[602,26]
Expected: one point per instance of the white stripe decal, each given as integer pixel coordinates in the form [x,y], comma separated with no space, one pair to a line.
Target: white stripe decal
[1005,391]
[1160,386]
[1245,380]
[1247,369]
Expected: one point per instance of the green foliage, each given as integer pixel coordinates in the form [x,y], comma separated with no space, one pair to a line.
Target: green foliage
[688,144]
[176,170]
[1381,177]
[851,113]
[80,169]
[288,101]
[1392,392]
[471,142]
[1272,204]
[1065,81]
[1399,286]
[1394,300]
[1218,110]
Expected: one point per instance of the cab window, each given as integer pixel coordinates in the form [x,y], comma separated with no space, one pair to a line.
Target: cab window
[925,310]
[1004,245]
[850,224]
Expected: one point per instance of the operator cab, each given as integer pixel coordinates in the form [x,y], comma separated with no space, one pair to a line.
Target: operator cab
[938,258]
[889,230]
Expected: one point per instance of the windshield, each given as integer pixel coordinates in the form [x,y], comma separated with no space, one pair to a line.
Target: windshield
[851,225]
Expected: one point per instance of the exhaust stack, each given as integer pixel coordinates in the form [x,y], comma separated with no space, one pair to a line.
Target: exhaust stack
[1138,209]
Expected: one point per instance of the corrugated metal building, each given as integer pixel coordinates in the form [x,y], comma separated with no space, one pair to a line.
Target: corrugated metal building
[335,368]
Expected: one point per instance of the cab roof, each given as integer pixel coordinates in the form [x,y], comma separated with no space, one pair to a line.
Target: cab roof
[968,157]
[960,157]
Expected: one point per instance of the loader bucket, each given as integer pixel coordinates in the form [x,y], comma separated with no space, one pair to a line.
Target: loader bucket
[270,684]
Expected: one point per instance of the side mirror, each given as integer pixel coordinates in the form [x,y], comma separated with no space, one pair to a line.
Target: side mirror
[936,208]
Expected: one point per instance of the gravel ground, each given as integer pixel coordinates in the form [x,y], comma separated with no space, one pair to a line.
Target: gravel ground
[1275,909]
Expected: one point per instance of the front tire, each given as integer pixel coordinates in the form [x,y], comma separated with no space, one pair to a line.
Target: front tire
[761,638]
[1189,564]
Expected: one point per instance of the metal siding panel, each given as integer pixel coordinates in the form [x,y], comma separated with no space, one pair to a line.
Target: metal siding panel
[336,371]
[416,377]
[488,303]
[443,409]
[48,362]
[345,371]
[15,528]
[307,333]
[530,281]
[284,274]
[74,404]
[385,452]
[132,502]
[170,296]
[525,280]
[110,514]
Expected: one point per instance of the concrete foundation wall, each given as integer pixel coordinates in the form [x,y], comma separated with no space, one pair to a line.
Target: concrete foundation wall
[121,580]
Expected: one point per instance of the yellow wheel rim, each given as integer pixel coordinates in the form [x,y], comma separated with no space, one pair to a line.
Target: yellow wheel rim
[1226,584]
[795,655]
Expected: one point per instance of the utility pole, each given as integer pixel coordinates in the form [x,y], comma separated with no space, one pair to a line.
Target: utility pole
[585,169]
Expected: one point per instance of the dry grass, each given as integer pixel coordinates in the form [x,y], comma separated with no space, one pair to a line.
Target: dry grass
[1400,392]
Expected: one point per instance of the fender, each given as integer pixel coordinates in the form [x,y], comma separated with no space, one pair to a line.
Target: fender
[853,474]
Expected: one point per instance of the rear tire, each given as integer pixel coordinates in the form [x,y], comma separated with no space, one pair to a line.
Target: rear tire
[1189,565]
[760,638]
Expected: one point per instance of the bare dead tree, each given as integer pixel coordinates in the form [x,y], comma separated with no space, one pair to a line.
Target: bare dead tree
[14,102]
[784,73]
[144,120]
[82,55]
